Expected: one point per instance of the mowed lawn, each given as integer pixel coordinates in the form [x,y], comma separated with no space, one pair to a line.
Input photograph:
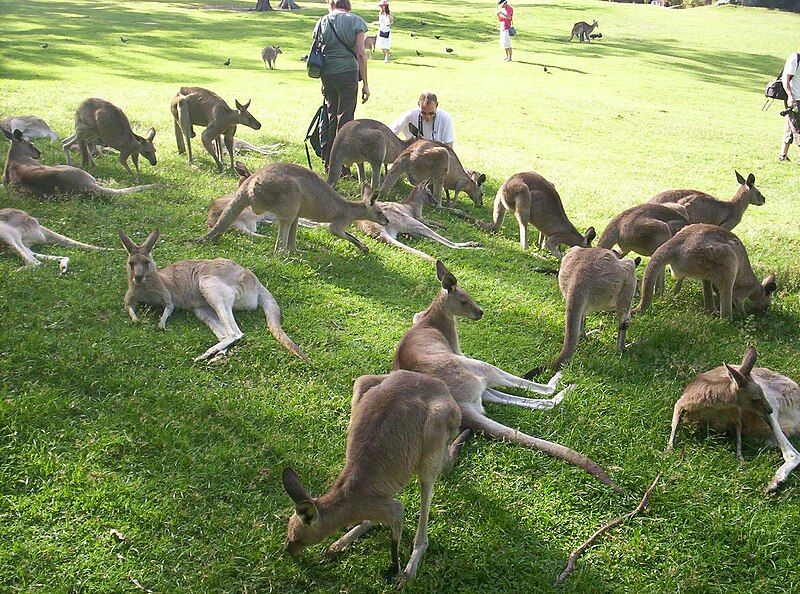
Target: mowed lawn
[107,426]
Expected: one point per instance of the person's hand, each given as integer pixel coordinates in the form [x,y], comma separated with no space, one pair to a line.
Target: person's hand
[364,93]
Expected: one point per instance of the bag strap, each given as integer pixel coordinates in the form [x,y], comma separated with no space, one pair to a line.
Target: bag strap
[311,127]
[339,39]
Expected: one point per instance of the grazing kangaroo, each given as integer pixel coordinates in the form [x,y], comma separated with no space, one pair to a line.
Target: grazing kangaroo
[593,279]
[212,289]
[269,54]
[290,191]
[431,346]
[406,218]
[583,30]
[247,222]
[535,200]
[98,120]
[423,160]
[401,424]
[25,174]
[32,127]
[704,208]
[195,106]
[748,400]
[364,141]
[719,258]
[19,231]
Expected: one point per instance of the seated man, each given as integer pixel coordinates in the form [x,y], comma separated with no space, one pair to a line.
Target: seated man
[433,123]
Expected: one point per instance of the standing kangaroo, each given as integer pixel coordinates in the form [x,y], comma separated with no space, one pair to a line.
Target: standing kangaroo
[535,200]
[583,30]
[704,208]
[406,218]
[593,279]
[401,424]
[748,400]
[290,191]
[364,141]
[19,231]
[97,120]
[269,54]
[716,256]
[24,173]
[424,161]
[212,289]
[195,106]
[431,346]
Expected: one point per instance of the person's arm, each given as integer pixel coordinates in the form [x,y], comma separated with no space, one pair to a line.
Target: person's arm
[361,56]
[401,125]
[787,80]
[448,137]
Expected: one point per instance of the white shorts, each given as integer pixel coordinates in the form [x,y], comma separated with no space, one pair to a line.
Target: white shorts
[505,39]
[383,42]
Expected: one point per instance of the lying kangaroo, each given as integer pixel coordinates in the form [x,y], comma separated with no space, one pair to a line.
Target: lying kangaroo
[704,208]
[247,222]
[593,279]
[535,200]
[364,141]
[97,120]
[32,127]
[716,256]
[401,424]
[19,231]
[212,289]
[195,106]
[406,218]
[25,174]
[290,192]
[269,54]
[583,30]
[431,346]
[747,399]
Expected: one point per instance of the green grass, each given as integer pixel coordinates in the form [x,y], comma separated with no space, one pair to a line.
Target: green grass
[106,425]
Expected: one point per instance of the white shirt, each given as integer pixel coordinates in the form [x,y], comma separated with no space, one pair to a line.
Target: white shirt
[385,22]
[439,128]
[791,67]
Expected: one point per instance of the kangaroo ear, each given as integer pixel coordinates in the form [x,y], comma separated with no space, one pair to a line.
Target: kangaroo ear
[238,105]
[748,361]
[18,135]
[590,235]
[150,242]
[242,169]
[7,134]
[769,284]
[293,486]
[130,247]
[447,279]
[637,260]
[751,179]
[151,134]
[481,179]
[367,195]
[307,511]
[413,129]
[246,105]
[739,178]
[737,377]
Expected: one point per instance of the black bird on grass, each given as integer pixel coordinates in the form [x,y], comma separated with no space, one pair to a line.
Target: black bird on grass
[418,52]
[449,50]
[44,45]
[304,58]
[413,34]
[423,23]
[122,39]
[438,36]
[545,69]
[227,62]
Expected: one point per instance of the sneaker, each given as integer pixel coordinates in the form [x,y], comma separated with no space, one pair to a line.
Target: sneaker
[783,158]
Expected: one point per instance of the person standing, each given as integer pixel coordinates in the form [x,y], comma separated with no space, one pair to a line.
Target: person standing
[791,84]
[433,123]
[341,35]
[385,22]
[505,15]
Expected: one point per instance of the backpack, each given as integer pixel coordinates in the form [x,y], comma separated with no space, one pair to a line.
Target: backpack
[775,90]
[317,134]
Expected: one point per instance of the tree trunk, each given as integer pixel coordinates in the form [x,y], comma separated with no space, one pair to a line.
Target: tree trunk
[263,5]
[289,5]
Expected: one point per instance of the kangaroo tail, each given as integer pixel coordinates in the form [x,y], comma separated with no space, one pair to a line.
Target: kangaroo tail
[498,214]
[53,237]
[335,163]
[395,172]
[273,313]
[113,192]
[386,238]
[572,332]
[655,268]
[229,215]
[479,422]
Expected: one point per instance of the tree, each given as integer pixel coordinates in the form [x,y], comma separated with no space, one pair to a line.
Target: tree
[263,5]
[289,5]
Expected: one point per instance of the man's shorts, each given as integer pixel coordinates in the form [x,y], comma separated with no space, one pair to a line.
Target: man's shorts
[505,39]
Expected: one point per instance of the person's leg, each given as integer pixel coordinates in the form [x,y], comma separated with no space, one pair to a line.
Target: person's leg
[787,140]
[348,96]
[794,126]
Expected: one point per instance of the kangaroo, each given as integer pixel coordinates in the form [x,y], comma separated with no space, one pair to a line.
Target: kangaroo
[212,289]
[431,346]
[290,191]
[535,200]
[401,424]
[195,106]
[247,222]
[583,30]
[369,42]
[32,127]
[746,399]
[406,218]
[269,54]
[97,119]
[704,208]
[593,279]
[719,258]
[364,141]
[24,173]
[19,231]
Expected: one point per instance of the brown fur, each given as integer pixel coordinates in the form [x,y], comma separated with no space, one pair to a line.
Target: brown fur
[583,30]
[269,54]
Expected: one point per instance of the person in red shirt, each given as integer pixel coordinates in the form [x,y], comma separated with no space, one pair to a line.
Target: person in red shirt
[505,14]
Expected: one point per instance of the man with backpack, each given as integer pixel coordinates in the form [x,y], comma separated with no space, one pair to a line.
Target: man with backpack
[791,84]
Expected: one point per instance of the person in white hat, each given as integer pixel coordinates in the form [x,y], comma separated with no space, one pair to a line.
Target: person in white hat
[385,22]
[505,14]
